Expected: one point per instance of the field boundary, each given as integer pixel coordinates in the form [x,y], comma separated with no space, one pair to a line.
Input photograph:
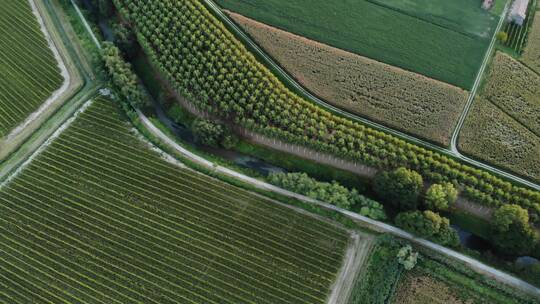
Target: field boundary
[355,259]
[55,96]
[476,85]
[362,220]
[72,83]
[297,88]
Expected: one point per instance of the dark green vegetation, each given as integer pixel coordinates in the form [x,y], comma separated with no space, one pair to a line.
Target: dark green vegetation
[427,37]
[201,59]
[512,232]
[332,193]
[440,196]
[122,75]
[213,135]
[429,225]
[518,35]
[400,188]
[98,217]
[503,126]
[29,73]
[435,280]
[380,274]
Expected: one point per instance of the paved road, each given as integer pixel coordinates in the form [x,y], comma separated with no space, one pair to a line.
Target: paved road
[293,83]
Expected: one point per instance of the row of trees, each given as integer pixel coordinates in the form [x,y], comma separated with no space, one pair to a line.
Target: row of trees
[123,76]
[204,62]
[212,134]
[402,188]
[332,193]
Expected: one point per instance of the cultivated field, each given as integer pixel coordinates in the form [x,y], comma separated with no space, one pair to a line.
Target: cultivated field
[98,217]
[463,16]
[29,73]
[434,279]
[450,49]
[515,89]
[407,101]
[531,55]
[503,126]
[492,135]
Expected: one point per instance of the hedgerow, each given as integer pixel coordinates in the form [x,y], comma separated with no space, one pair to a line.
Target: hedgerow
[198,55]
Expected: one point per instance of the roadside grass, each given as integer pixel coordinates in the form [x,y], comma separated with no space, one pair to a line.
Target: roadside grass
[378,32]
[406,101]
[29,72]
[515,89]
[108,219]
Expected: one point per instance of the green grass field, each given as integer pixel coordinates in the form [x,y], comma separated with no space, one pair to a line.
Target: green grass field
[445,40]
[29,72]
[98,217]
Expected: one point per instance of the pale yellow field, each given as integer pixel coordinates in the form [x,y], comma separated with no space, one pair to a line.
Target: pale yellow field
[403,100]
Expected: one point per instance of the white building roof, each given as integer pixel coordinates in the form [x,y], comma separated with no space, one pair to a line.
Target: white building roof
[519,8]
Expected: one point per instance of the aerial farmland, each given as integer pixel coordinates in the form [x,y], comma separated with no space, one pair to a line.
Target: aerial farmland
[234,151]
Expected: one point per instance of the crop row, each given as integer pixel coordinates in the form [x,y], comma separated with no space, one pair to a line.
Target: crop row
[29,72]
[104,219]
[204,61]
[531,55]
[503,126]
[148,161]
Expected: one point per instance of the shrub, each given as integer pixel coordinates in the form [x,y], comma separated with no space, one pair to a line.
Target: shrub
[502,37]
[512,233]
[401,188]
[440,196]
[429,225]
[207,132]
[122,76]
[407,257]
[332,193]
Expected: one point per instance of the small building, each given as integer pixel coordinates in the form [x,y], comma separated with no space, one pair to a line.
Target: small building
[488,4]
[518,12]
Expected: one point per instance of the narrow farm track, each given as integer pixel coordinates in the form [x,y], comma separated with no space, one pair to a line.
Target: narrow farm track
[371,224]
[102,218]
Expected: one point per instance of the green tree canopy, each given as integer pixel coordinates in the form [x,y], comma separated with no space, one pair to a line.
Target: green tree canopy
[440,196]
[430,225]
[512,233]
[400,187]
